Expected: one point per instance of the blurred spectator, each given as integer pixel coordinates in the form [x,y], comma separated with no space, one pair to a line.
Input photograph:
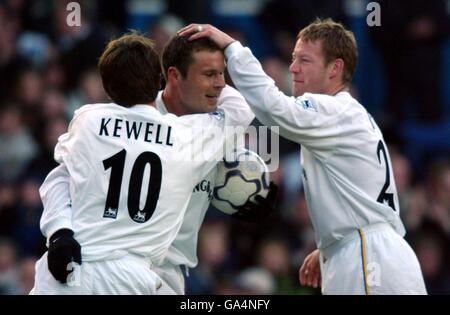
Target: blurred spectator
[143,13]
[239,35]
[91,87]
[10,62]
[28,92]
[7,205]
[53,105]
[163,30]
[431,245]
[246,237]
[410,40]
[26,275]
[17,147]
[291,186]
[438,194]
[112,14]
[35,47]
[274,256]
[428,202]
[197,11]
[402,172]
[8,267]
[36,15]
[303,240]
[42,164]
[255,281]
[28,235]
[90,91]
[29,89]
[80,46]
[283,19]
[410,199]
[213,247]
[278,70]
[53,75]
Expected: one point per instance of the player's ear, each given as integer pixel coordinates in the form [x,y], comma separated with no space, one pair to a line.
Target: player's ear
[337,68]
[173,74]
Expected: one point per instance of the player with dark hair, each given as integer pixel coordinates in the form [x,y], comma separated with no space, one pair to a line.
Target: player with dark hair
[131,172]
[194,84]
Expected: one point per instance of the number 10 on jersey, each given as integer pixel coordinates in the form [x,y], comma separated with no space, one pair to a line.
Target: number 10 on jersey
[117,163]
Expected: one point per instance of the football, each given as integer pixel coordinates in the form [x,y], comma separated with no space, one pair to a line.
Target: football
[238,180]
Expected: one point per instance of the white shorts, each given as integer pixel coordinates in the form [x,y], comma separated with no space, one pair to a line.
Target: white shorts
[126,275]
[374,260]
[172,279]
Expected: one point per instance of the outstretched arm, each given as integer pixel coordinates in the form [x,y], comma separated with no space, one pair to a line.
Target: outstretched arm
[311,119]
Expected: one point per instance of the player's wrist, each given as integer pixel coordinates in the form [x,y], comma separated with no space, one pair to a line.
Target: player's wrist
[60,234]
[232,48]
[228,43]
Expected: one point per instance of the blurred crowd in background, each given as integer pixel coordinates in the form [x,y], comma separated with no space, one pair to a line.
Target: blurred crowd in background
[48,69]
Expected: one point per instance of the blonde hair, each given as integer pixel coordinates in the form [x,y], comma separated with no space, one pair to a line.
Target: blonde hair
[337,42]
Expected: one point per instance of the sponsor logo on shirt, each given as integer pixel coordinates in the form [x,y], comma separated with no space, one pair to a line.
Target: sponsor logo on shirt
[218,115]
[204,186]
[306,104]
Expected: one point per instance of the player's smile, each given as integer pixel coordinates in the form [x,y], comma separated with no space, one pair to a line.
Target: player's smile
[212,98]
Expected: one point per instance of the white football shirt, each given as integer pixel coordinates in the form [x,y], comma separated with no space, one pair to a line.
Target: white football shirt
[347,173]
[125,166]
[57,209]
[184,248]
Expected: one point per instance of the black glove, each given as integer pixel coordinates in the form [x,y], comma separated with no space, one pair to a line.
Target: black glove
[259,210]
[63,249]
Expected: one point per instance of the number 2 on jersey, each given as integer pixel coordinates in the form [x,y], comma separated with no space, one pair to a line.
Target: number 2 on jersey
[385,197]
[117,164]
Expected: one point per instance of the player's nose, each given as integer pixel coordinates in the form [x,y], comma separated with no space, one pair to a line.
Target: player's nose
[219,81]
[294,68]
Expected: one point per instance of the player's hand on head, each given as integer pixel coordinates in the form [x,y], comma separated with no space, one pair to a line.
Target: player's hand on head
[63,249]
[259,210]
[195,31]
[309,272]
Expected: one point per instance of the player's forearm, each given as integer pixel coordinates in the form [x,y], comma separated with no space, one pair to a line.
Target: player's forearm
[256,86]
[250,79]
[55,197]
[271,106]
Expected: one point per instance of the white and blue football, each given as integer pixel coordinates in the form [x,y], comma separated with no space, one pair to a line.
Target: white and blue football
[237,180]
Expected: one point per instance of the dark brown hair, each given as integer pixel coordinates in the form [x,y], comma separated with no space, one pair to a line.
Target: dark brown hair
[178,53]
[337,42]
[130,70]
